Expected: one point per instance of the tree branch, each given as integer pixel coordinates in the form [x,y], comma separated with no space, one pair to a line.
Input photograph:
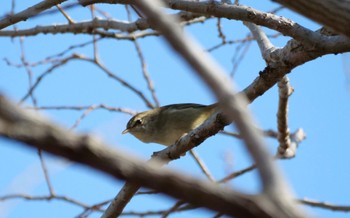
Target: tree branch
[28,13]
[238,12]
[285,150]
[266,47]
[331,13]
[324,205]
[90,27]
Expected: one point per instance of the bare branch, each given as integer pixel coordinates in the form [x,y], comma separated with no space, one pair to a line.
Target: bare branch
[28,13]
[263,41]
[69,19]
[96,25]
[82,116]
[43,75]
[27,68]
[324,205]
[55,58]
[331,13]
[176,207]
[267,133]
[146,75]
[239,12]
[284,148]
[109,74]
[221,34]
[123,82]
[78,108]
[80,27]
[202,165]
[237,173]
[143,62]
[45,198]
[240,53]
[46,173]
[119,202]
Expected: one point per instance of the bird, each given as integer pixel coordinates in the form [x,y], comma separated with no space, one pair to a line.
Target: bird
[167,124]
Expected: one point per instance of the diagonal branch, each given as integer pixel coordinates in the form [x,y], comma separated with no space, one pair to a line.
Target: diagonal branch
[324,205]
[263,41]
[28,13]
[331,13]
[202,165]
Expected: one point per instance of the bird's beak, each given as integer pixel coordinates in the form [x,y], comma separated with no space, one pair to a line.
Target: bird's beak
[125,131]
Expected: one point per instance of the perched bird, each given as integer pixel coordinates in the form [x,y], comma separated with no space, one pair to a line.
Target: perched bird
[165,125]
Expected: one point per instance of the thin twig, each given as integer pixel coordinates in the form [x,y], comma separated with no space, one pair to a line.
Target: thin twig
[43,75]
[267,133]
[147,192]
[46,173]
[176,206]
[145,73]
[239,55]
[69,19]
[95,207]
[236,41]
[103,13]
[152,213]
[52,58]
[27,68]
[236,174]
[30,78]
[221,34]
[78,108]
[122,81]
[45,197]
[324,205]
[82,116]
[94,36]
[202,165]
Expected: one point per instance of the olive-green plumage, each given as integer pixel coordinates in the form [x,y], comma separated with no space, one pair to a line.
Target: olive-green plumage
[165,125]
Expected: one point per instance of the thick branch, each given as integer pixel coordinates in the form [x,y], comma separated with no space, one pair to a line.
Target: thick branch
[80,27]
[29,12]
[331,13]
[237,12]
[94,26]
[285,90]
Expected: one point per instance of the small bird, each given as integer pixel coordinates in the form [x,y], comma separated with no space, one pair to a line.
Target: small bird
[165,125]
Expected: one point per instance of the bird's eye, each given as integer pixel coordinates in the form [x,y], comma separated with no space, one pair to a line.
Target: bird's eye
[138,122]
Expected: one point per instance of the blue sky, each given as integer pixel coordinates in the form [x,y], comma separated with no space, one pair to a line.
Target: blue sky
[320,105]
